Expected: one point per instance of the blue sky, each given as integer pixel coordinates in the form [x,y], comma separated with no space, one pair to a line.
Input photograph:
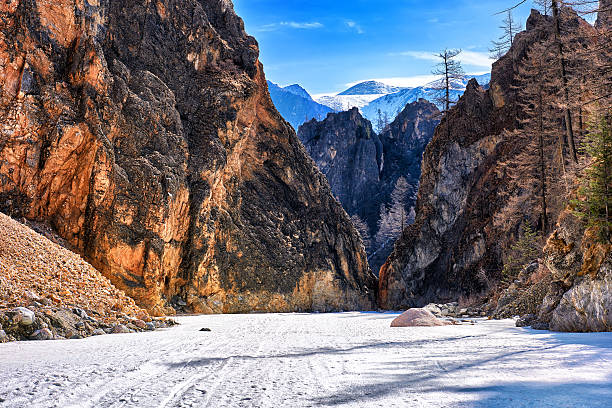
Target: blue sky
[326,45]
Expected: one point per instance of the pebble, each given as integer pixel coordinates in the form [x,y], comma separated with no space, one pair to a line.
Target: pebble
[98,332]
[118,329]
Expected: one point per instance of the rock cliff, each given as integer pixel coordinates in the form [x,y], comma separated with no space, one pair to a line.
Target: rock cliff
[579,297]
[349,153]
[144,134]
[454,247]
[363,167]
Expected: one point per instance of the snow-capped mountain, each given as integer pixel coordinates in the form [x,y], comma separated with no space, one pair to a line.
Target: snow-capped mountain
[394,103]
[357,96]
[341,103]
[296,105]
[371,88]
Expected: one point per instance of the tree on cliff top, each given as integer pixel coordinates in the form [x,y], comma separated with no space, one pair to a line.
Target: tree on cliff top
[449,69]
[509,28]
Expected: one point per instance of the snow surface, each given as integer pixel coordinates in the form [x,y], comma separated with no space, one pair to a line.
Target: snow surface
[312,360]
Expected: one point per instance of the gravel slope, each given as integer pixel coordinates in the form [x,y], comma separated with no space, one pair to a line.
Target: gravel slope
[310,360]
[32,265]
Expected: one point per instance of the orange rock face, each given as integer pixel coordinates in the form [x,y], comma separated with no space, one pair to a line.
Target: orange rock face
[143,133]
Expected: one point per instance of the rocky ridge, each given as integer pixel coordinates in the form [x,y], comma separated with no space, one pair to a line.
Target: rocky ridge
[455,248]
[349,153]
[144,134]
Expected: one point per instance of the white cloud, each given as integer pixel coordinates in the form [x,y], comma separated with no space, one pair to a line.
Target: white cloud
[473,58]
[305,26]
[354,26]
[291,24]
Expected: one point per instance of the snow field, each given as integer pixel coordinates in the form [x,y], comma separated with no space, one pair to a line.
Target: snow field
[312,360]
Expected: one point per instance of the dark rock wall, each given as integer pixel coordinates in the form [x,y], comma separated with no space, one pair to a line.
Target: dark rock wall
[454,247]
[144,134]
[349,153]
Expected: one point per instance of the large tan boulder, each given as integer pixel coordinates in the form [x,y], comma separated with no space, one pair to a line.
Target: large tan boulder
[416,318]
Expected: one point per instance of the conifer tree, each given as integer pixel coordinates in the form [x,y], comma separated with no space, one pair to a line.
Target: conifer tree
[363,230]
[596,190]
[450,69]
[394,218]
[380,123]
[510,28]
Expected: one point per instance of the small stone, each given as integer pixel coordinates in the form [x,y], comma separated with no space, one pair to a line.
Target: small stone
[3,336]
[42,334]
[98,332]
[150,326]
[80,312]
[119,329]
[31,296]
[140,324]
[526,320]
[205,329]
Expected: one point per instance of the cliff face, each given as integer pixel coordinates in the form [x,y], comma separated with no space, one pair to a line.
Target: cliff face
[604,16]
[454,247]
[144,134]
[348,152]
[363,167]
[579,297]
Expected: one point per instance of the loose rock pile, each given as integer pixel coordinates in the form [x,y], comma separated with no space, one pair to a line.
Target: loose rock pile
[39,322]
[453,310]
[48,292]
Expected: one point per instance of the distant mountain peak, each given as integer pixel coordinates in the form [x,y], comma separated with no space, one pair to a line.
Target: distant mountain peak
[298,90]
[371,88]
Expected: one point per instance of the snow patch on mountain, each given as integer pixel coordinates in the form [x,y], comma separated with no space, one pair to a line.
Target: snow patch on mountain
[394,103]
[371,88]
[342,103]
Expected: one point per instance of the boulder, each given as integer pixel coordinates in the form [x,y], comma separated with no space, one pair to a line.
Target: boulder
[42,334]
[27,317]
[526,320]
[119,329]
[416,318]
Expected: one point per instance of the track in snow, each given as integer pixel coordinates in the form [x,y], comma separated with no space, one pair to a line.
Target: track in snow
[312,360]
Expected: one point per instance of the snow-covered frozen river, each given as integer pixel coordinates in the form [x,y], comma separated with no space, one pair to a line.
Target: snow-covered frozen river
[312,360]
